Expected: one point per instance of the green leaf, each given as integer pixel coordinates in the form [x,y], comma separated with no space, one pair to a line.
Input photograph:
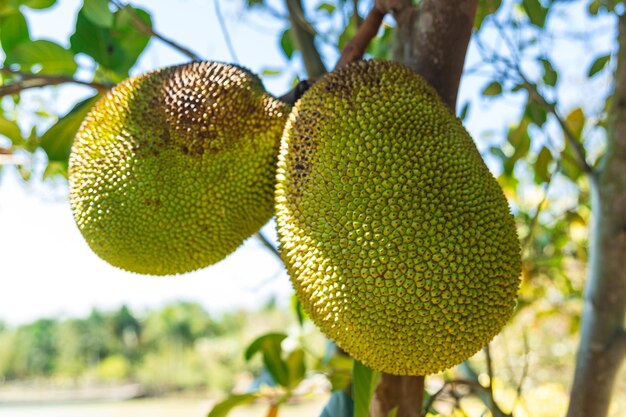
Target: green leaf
[132,41]
[271,72]
[54,169]
[286,43]
[10,130]
[594,7]
[542,173]
[252,3]
[485,8]
[57,141]
[536,113]
[536,12]
[98,43]
[364,383]
[598,64]
[575,121]
[270,347]
[98,12]
[327,7]
[38,4]
[347,34]
[464,110]
[494,88]
[222,409]
[298,310]
[550,76]
[52,58]
[296,367]
[13,31]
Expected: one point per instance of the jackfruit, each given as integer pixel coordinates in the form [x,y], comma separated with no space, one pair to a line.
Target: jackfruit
[398,240]
[173,169]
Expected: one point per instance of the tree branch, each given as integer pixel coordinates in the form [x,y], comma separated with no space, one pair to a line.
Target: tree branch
[433,41]
[266,242]
[355,49]
[579,150]
[404,392]
[304,39]
[27,81]
[220,19]
[141,25]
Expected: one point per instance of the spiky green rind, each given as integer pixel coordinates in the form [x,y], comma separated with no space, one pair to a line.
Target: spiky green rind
[398,240]
[173,169]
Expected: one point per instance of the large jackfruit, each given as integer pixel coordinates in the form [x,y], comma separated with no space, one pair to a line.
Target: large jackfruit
[173,169]
[398,240]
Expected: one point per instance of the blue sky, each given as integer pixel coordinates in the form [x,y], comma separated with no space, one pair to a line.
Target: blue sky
[47,269]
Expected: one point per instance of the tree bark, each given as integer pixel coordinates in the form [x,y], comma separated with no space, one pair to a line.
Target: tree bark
[603,338]
[432,40]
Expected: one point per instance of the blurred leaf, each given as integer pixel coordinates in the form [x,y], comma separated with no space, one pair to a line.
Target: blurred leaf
[116,48]
[542,173]
[132,40]
[327,7]
[550,76]
[98,12]
[536,113]
[536,12]
[296,367]
[271,72]
[340,371]
[464,110]
[54,169]
[38,4]
[598,64]
[252,3]
[485,8]
[339,405]
[594,7]
[286,43]
[520,140]
[380,46]
[575,121]
[347,34]
[13,31]
[52,57]
[297,308]
[364,382]
[270,347]
[11,130]
[57,141]
[222,409]
[494,88]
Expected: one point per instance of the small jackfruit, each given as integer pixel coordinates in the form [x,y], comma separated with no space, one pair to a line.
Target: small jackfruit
[173,169]
[398,240]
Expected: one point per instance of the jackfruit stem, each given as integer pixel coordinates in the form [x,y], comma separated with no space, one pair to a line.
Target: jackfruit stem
[354,50]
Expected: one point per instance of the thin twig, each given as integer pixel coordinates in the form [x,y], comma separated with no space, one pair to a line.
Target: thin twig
[490,374]
[220,19]
[28,80]
[266,242]
[355,49]
[142,26]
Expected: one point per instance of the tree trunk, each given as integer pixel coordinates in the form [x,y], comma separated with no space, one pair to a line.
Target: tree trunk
[603,337]
[432,40]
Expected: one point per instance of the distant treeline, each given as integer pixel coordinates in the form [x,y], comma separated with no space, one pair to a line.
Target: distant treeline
[180,346]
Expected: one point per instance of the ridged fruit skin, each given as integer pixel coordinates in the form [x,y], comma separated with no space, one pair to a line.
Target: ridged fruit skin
[173,169]
[398,240]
